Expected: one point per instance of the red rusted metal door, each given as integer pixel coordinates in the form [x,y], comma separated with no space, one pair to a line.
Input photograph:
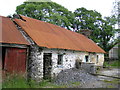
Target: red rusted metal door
[15,60]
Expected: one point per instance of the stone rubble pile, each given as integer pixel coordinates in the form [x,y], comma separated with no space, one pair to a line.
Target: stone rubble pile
[75,75]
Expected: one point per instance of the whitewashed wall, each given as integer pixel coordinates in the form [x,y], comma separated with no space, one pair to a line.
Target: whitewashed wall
[100,59]
[70,57]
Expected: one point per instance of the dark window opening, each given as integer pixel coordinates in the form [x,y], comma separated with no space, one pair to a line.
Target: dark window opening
[86,58]
[60,59]
[97,59]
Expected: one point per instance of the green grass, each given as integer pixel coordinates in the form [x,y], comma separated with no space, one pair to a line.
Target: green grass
[110,86]
[114,81]
[17,81]
[114,64]
[75,84]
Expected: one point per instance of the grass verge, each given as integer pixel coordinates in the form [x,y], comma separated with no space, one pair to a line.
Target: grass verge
[17,81]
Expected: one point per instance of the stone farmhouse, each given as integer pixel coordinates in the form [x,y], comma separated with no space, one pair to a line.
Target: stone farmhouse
[41,49]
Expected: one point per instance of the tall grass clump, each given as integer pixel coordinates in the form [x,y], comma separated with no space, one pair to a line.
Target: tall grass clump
[15,81]
[20,81]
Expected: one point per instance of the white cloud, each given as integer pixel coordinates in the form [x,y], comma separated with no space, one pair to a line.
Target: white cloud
[8,7]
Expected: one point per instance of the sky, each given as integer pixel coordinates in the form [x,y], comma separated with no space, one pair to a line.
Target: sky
[8,7]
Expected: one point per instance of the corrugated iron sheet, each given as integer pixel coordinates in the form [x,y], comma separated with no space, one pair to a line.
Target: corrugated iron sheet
[52,36]
[9,32]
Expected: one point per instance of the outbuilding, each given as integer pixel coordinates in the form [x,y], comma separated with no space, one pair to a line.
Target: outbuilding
[13,48]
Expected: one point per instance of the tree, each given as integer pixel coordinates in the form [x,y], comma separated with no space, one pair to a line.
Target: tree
[85,19]
[107,33]
[47,11]
[102,29]
[116,13]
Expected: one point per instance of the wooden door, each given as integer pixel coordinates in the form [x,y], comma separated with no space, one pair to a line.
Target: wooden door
[15,60]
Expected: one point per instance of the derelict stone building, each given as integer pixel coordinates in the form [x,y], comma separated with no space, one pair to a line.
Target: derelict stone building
[51,49]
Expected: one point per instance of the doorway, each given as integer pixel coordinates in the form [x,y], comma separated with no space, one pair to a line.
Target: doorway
[47,65]
[86,58]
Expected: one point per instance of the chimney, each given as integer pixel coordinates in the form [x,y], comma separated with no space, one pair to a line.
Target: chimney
[86,32]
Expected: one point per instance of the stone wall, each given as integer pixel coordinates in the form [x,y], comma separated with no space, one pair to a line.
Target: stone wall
[69,59]
[93,58]
[89,67]
[35,63]
[100,59]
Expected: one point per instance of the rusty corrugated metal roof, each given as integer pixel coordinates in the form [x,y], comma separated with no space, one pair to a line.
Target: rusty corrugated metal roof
[52,36]
[9,32]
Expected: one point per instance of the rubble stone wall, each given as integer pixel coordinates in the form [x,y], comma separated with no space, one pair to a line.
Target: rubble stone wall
[69,60]
[89,67]
[35,63]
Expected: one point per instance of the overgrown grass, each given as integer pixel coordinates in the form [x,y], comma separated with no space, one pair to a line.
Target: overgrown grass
[114,81]
[17,81]
[114,64]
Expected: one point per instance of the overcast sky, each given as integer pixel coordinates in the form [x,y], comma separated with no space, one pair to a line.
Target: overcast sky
[8,7]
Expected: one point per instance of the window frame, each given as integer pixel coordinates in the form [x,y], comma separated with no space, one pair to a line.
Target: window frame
[60,59]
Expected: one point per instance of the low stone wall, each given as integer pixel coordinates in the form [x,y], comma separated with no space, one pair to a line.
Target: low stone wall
[89,67]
